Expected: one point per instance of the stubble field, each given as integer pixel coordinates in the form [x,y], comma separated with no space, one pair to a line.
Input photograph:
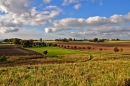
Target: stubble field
[69,67]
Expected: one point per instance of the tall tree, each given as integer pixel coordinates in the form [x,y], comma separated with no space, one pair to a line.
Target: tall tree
[40,39]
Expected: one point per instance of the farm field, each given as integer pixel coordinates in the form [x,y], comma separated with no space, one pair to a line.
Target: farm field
[54,51]
[95,47]
[91,73]
[16,51]
[66,67]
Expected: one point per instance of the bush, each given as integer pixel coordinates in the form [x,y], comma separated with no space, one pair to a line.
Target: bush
[64,46]
[54,45]
[61,45]
[79,47]
[105,49]
[3,58]
[116,49]
[75,47]
[100,49]
[45,52]
[68,46]
[121,49]
[71,47]
[89,48]
[83,47]
[50,44]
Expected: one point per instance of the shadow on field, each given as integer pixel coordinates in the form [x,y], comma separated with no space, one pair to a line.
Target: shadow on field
[127,82]
[38,61]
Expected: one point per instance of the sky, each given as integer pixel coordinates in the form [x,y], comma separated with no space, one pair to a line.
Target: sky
[52,19]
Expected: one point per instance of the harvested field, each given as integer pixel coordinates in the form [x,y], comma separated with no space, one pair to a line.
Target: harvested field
[17,51]
[40,61]
[96,47]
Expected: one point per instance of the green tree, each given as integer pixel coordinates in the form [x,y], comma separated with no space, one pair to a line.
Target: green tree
[95,40]
[40,39]
[70,39]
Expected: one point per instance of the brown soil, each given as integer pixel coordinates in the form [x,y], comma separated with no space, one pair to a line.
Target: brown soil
[95,47]
[17,51]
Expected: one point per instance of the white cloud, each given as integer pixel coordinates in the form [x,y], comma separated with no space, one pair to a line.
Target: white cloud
[8,21]
[77,6]
[77,23]
[103,32]
[8,29]
[18,13]
[40,17]
[15,6]
[25,33]
[97,26]
[46,1]
[120,18]
[54,29]
[66,2]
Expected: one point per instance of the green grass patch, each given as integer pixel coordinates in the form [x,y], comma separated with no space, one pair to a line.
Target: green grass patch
[55,51]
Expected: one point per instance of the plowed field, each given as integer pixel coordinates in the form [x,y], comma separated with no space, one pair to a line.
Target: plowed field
[17,51]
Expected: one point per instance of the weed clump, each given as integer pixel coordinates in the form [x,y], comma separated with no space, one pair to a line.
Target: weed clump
[3,59]
[91,56]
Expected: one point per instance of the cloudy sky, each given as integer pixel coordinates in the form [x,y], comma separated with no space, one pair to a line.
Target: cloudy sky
[51,19]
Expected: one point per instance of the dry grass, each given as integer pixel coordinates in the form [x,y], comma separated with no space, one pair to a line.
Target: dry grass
[92,73]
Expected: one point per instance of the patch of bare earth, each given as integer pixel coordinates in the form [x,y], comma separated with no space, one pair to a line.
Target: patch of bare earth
[17,51]
[95,47]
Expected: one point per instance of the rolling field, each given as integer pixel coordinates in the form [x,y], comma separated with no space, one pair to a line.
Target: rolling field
[66,67]
[16,51]
[92,73]
[95,47]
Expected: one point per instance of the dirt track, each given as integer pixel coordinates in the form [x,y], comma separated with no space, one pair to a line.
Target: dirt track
[16,51]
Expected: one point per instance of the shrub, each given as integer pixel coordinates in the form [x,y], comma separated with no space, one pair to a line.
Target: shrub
[71,47]
[64,46]
[121,49]
[79,47]
[54,45]
[61,45]
[100,49]
[3,58]
[89,48]
[83,47]
[75,47]
[68,46]
[50,44]
[45,52]
[116,49]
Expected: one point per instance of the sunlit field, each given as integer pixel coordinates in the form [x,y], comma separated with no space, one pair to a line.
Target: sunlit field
[66,67]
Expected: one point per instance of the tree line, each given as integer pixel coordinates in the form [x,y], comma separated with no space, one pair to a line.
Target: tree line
[24,43]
